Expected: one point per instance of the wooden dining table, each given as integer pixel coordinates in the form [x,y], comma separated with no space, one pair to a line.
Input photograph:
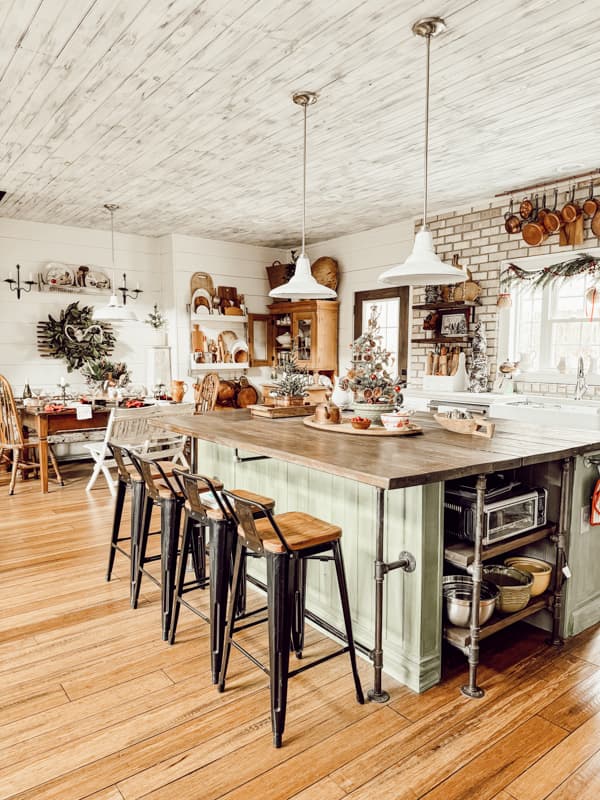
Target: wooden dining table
[48,425]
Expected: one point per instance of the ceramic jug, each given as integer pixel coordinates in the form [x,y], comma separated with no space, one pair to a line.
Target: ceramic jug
[178,389]
[342,396]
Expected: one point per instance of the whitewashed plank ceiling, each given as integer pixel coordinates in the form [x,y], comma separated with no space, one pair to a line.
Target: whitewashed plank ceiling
[180,111]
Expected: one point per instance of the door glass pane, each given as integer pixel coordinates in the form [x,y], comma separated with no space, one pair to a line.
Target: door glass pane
[389,323]
[304,338]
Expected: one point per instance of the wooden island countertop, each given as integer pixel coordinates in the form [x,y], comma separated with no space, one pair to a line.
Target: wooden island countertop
[387,462]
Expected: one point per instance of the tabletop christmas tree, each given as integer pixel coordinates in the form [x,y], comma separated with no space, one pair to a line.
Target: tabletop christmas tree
[478,375]
[370,377]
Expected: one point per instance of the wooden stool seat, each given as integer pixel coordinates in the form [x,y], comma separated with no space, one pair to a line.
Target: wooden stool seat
[300,531]
[217,515]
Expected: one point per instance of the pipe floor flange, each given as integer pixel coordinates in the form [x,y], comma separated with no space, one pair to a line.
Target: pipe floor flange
[378,697]
[475,693]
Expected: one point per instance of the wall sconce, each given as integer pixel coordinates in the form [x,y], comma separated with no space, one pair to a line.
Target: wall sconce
[16,285]
[125,291]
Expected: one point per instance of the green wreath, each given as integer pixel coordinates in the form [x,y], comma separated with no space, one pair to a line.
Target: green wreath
[75,337]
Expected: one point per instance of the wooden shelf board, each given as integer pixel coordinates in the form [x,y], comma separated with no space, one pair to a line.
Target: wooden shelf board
[444,339]
[460,552]
[218,319]
[219,367]
[461,637]
[446,306]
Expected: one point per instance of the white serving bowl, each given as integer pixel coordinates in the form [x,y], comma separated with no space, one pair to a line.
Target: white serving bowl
[396,419]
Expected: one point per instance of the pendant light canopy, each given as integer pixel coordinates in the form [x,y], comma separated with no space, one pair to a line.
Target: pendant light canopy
[115,311]
[423,266]
[302,286]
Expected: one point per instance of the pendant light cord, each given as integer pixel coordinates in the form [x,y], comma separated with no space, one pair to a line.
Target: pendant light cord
[304,180]
[426,152]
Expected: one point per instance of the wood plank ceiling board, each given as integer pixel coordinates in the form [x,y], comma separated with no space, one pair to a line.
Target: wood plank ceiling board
[181,112]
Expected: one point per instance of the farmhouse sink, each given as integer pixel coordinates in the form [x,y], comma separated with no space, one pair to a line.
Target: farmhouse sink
[553,412]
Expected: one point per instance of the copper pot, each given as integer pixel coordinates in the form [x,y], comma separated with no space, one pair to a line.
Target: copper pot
[526,208]
[512,223]
[533,232]
[591,204]
[553,221]
[570,211]
[541,214]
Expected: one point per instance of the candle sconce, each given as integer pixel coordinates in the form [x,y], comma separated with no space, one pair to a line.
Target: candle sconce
[124,289]
[16,285]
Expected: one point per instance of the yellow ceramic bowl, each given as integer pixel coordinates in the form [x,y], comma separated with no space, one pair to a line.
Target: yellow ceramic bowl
[541,571]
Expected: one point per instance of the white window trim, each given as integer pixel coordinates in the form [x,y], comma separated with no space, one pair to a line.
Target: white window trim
[531,263]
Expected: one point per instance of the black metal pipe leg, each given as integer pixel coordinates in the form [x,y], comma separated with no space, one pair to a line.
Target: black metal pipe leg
[298,569]
[472,689]
[279,598]
[343,588]
[377,694]
[221,544]
[170,514]
[186,546]
[116,526]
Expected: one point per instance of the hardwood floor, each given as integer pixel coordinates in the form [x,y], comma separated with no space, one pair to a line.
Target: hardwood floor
[94,705]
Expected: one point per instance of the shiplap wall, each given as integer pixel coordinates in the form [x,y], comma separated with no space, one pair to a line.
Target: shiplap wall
[361,258]
[229,264]
[33,245]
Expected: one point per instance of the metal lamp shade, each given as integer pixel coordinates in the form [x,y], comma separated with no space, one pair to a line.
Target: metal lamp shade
[422,267]
[114,312]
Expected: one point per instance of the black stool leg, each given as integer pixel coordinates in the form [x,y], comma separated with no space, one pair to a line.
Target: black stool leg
[117,517]
[139,539]
[170,518]
[341,579]
[188,535]
[240,603]
[298,568]
[237,575]
[280,599]
[198,550]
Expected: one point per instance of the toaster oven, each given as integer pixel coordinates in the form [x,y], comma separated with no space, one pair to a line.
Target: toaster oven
[509,509]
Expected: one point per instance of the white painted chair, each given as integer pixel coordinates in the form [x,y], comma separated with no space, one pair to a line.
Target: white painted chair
[130,428]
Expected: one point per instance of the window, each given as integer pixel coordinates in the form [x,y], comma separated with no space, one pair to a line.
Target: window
[546,329]
[392,305]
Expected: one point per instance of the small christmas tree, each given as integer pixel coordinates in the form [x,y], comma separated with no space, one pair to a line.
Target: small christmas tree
[370,378]
[293,381]
[478,376]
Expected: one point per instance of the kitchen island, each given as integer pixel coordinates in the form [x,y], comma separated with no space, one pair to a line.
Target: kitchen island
[387,495]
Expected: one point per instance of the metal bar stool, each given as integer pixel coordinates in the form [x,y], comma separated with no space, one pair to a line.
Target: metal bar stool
[288,541]
[128,477]
[205,511]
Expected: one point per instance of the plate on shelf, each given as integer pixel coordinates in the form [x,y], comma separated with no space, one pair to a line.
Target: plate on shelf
[202,302]
[97,280]
[59,275]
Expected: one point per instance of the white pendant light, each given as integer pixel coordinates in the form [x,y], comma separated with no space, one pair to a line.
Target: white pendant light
[424,266]
[302,286]
[115,311]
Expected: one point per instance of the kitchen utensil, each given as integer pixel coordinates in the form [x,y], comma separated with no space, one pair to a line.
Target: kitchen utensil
[533,232]
[399,419]
[526,208]
[541,214]
[239,351]
[539,569]
[512,223]
[178,390]
[246,394]
[360,423]
[514,585]
[458,591]
[596,224]
[553,221]
[477,426]
[226,393]
[576,231]
[570,211]
[591,204]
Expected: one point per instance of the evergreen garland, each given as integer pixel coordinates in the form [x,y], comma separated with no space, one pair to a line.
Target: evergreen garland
[583,263]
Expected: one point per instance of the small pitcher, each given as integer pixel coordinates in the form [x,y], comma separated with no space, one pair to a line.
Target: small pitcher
[178,389]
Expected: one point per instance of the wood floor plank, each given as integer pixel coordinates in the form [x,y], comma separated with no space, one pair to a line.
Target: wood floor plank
[95,706]
[539,780]
[492,770]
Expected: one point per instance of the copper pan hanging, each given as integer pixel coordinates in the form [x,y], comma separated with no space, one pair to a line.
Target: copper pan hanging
[526,208]
[533,232]
[512,223]
[570,211]
[553,221]
[591,204]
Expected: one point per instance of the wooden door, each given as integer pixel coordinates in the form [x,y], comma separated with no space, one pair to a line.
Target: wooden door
[304,338]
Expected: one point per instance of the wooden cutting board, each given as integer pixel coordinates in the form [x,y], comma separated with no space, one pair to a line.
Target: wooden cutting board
[277,412]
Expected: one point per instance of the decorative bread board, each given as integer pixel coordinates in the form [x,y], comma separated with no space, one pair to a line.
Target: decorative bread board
[277,412]
[476,426]
[345,426]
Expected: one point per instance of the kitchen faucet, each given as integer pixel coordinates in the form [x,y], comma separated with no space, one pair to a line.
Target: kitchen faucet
[581,386]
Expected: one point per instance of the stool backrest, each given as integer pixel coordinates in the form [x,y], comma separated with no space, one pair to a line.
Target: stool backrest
[197,489]
[243,511]
[121,457]
[131,426]
[11,432]
[151,470]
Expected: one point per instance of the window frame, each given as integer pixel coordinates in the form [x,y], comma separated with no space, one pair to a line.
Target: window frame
[403,294]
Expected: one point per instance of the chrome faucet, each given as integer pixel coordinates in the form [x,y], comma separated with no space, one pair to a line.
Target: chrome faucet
[581,386]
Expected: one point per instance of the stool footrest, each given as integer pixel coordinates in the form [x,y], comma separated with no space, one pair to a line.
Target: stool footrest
[195,609]
[191,585]
[318,661]
[238,628]
[252,658]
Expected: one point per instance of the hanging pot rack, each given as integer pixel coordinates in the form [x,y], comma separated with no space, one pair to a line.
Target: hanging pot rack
[556,182]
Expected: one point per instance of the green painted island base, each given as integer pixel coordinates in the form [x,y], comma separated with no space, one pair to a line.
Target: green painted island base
[412,607]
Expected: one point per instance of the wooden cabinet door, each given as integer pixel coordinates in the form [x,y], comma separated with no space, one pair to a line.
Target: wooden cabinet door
[304,338]
[260,344]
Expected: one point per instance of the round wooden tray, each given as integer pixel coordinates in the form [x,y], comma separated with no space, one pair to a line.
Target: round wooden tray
[345,426]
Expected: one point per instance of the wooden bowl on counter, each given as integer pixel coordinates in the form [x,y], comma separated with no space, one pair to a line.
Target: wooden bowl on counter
[360,423]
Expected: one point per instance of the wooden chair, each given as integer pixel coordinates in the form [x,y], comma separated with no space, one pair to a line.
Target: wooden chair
[205,393]
[130,428]
[11,437]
